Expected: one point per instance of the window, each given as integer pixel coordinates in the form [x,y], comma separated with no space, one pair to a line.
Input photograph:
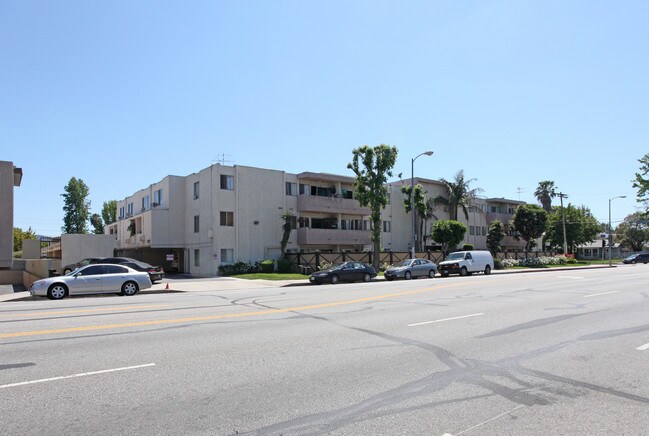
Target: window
[227,182]
[386,226]
[121,212]
[227,219]
[511,210]
[196,223]
[197,257]
[303,221]
[291,188]
[304,189]
[196,190]
[227,255]
[484,231]
[129,209]
[157,198]
[472,230]
[145,203]
[114,269]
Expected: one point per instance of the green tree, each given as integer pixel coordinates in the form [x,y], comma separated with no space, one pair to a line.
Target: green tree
[109,212]
[97,224]
[633,232]
[448,233]
[529,223]
[641,183]
[76,207]
[288,224]
[495,236]
[581,227]
[372,166]
[424,209]
[458,195]
[545,192]
[20,235]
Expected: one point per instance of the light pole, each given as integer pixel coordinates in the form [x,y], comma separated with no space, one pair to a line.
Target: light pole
[412,200]
[561,195]
[610,233]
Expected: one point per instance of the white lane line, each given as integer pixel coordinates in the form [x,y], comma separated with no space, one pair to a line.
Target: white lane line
[83,374]
[602,293]
[643,347]
[445,319]
[489,420]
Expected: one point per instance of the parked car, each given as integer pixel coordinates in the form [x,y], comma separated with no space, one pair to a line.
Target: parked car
[84,262]
[344,272]
[92,279]
[466,263]
[156,273]
[637,258]
[411,268]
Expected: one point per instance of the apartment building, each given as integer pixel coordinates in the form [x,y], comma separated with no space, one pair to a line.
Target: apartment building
[222,214]
[10,177]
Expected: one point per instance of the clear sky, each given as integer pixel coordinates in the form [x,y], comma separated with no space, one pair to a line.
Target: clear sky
[122,93]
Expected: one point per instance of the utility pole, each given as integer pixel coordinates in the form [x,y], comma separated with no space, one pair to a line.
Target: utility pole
[561,195]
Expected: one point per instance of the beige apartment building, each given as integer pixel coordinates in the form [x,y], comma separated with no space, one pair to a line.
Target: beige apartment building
[10,177]
[222,214]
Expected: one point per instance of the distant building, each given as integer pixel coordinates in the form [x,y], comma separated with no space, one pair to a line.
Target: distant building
[10,177]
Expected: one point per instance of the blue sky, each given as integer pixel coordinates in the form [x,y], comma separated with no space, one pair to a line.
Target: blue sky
[123,93]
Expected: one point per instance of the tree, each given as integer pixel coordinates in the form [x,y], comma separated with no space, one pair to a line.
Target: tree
[20,235]
[372,167]
[97,224]
[545,192]
[581,226]
[448,233]
[76,207]
[109,211]
[458,195]
[633,232]
[529,223]
[642,184]
[495,236]
[288,223]
[424,208]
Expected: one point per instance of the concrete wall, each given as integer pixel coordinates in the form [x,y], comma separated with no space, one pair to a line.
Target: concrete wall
[9,177]
[77,247]
[31,249]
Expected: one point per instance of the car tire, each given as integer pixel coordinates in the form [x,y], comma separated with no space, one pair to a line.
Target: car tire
[633,262]
[464,272]
[487,270]
[334,279]
[129,288]
[431,274]
[66,271]
[57,291]
[407,275]
[367,277]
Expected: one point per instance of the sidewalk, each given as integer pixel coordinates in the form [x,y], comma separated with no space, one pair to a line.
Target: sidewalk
[188,284]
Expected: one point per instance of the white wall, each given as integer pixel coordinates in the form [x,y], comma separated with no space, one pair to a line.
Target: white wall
[77,247]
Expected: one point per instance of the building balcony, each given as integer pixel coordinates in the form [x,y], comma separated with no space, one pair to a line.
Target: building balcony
[502,217]
[307,236]
[311,203]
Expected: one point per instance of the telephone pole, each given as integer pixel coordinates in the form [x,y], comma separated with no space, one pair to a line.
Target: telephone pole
[561,195]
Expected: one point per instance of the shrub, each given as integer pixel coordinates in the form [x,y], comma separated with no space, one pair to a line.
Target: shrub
[467,247]
[239,267]
[324,265]
[385,266]
[284,266]
[267,266]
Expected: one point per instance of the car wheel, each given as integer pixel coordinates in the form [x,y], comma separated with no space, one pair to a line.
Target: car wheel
[487,270]
[334,279]
[407,275]
[57,291]
[129,288]
[67,270]
[367,277]
[463,271]
[431,274]
[633,262]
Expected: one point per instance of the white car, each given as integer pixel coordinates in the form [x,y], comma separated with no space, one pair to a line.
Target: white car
[92,279]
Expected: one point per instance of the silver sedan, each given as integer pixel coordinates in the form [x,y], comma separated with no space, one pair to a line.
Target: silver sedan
[92,279]
[410,269]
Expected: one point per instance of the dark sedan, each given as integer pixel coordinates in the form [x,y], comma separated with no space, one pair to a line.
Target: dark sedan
[344,272]
[637,258]
[156,273]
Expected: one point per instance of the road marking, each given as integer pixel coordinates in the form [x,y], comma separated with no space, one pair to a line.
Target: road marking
[445,319]
[73,311]
[83,374]
[215,317]
[643,347]
[602,293]
[489,420]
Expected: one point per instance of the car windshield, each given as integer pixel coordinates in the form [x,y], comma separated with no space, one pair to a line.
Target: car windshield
[455,256]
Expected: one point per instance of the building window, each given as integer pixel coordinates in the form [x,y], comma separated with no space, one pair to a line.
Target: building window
[227,255]
[197,257]
[471,230]
[291,188]
[129,209]
[196,190]
[145,203]
[157,198]
[227,182]
[303,221]
[196,223]
[121,212]
[512,211]
[386,226]
[304,189]
[227,219]
[484,231]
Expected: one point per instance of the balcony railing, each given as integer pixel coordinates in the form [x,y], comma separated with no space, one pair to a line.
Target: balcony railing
[307,236]
[311,203]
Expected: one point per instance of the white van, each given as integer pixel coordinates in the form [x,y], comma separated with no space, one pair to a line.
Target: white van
[466,263]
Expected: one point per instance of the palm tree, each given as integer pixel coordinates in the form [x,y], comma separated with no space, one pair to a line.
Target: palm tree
[458,195]
[544,193]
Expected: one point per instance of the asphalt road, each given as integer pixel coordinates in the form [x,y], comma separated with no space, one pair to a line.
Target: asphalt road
[563,352]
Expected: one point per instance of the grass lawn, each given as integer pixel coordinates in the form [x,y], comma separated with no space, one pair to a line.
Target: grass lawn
[568,265]
[271,276]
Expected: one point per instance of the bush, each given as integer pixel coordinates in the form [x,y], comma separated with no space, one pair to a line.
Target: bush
[385,266]
[324,265]
[267,266]
[239,267]
[467,247]
[284,266]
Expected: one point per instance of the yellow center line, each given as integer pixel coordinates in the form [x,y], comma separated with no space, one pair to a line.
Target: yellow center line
[73,311]
[215,317]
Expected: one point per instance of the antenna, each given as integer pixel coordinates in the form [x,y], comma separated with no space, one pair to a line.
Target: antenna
[519,190]
[221,158]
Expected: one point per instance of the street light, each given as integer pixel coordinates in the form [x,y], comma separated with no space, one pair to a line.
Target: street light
[412,200]
[610,234]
